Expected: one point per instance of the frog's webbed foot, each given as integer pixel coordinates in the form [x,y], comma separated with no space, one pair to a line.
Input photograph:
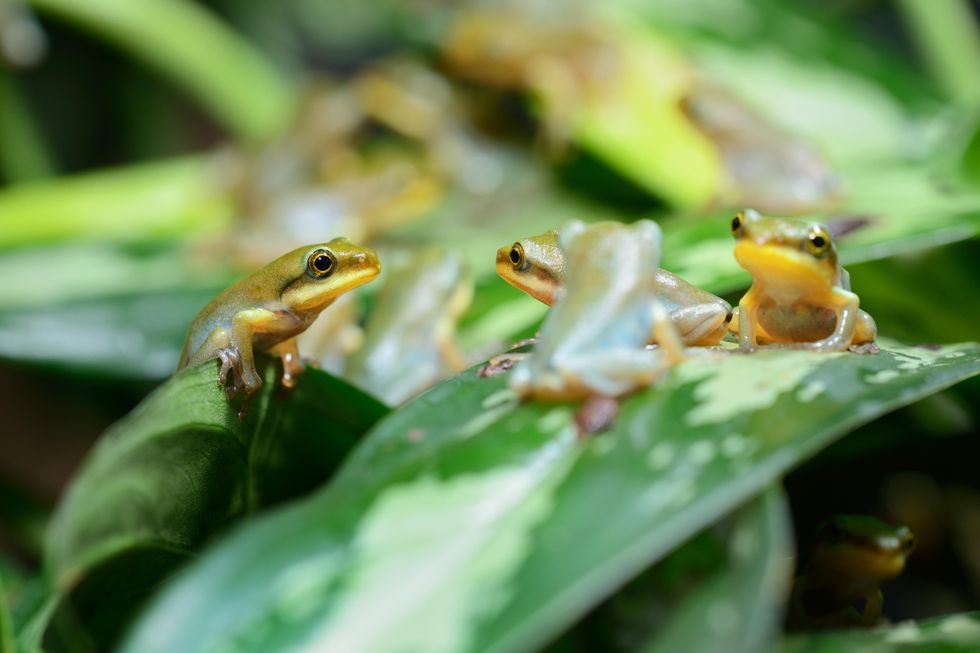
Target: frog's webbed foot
[865,348]
[231,362]
[500,364]
[242,381]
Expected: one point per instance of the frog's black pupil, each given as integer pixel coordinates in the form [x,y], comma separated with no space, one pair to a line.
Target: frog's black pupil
[322,263]
[515,256]
[736,223]
[818,241]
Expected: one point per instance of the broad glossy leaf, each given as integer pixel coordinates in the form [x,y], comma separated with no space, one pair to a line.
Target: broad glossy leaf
[470,521]
[181,467]
[131,335]
[736,609]
[957,633]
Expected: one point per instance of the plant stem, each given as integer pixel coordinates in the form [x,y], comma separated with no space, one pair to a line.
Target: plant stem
[227,74]
[23,155]
[139,202]
[947,35]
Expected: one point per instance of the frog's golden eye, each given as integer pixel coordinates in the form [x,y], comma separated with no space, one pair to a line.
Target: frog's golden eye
[321,263]
[737,222]
[818,241]
[517,255]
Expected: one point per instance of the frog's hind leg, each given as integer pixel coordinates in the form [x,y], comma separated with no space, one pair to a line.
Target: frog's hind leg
[613,373]
[704,324]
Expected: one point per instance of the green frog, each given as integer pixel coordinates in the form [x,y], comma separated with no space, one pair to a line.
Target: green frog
[266,310]
[840,585]
[594,338]
[800,297]
[537,266]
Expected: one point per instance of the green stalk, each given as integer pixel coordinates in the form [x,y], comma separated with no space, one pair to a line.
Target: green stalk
[946,33]
[139,202]
[23,155]
[183,40]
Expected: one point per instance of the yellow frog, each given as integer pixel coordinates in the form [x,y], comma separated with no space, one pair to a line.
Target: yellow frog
[800,297]
[408,340]
[536,265]
[840,585]
[267,309]
[593,341]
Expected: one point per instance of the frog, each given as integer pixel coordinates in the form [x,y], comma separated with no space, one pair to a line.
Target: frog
[536,265]
[266,310]
[840,585]
[800,297]
[594,339]
[409,338]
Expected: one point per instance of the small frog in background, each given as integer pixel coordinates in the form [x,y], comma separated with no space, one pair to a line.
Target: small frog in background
[840,584]
[267,309]
[593,341]
[537,266]
[409,339]
[800,297]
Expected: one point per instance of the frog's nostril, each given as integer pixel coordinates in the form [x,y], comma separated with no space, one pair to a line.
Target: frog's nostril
[728,317]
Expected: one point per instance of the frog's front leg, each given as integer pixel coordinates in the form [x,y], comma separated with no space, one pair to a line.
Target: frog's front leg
[871,614]
[746,320]
[244,326]
[847,317]
[292,364]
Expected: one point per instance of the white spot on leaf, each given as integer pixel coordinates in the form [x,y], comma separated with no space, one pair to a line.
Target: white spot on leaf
[450,545]
[884,376]
[743,383]
[811,391]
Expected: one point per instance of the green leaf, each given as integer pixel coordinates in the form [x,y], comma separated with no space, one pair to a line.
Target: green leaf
[6,628]
[181,468]
[189,44]
[139,202]
[737,608]
[470,521]
[957,633]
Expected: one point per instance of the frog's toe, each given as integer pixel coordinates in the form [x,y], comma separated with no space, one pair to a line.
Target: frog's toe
[230,360]
[499,364]
[865,348]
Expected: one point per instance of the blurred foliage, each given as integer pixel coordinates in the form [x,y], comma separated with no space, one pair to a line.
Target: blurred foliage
[464,520]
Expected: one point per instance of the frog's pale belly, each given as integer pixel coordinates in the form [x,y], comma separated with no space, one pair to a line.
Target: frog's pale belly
[796,322]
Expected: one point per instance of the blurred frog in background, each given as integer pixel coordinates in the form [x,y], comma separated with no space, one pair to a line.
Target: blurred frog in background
[593,340]
[840,586]
[266,310]
[409,339]
[800,296]
[537,266]
[626,95]
[766,166]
